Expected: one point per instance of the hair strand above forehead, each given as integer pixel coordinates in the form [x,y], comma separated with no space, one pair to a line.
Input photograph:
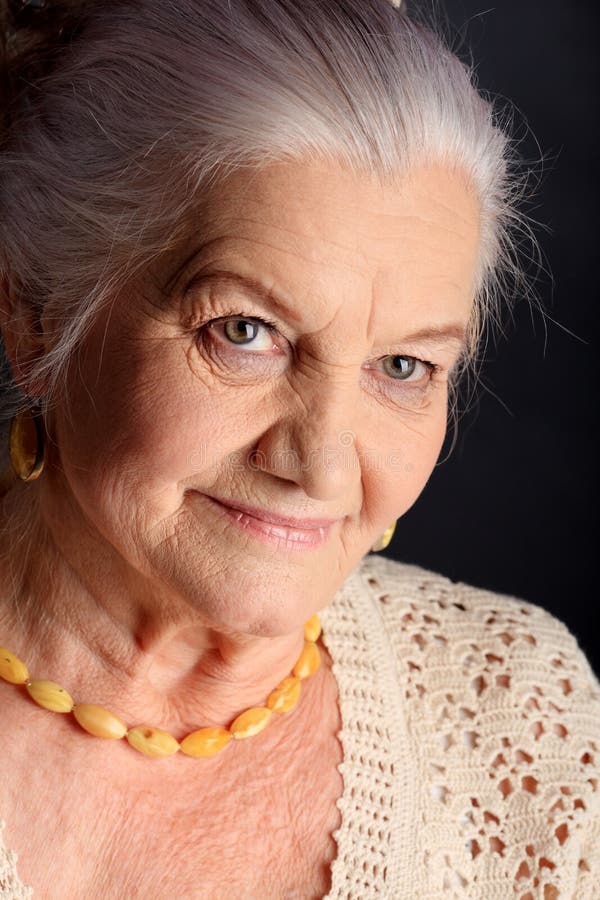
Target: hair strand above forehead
[125,113]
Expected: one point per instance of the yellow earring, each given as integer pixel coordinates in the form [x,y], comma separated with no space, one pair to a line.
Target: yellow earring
[385,538]
[26,445]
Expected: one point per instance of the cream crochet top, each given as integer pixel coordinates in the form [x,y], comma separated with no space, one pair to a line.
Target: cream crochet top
[471,739]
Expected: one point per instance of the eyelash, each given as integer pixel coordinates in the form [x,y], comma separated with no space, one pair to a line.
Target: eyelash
[273,327]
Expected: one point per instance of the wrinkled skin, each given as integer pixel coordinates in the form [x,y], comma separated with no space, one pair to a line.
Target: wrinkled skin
[153,599]
[311,420]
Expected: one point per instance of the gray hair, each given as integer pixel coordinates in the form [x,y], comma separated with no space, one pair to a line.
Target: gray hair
[111,142]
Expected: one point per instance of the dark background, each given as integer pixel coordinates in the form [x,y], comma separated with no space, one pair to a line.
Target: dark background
[514,507]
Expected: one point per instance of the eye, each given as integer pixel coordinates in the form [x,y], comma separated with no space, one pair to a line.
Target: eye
[408,368]
[242,330]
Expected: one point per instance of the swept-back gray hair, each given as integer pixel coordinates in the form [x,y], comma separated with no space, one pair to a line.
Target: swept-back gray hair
[110,143]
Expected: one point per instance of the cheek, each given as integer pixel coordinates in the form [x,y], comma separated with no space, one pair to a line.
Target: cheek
[134,428]
[410,465]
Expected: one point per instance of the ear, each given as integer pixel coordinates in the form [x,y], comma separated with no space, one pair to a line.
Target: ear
[22,336]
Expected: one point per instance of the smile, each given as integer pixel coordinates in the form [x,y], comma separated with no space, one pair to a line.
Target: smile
[285,536]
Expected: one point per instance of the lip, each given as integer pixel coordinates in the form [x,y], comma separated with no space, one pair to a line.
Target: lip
[287,521]
[285,536]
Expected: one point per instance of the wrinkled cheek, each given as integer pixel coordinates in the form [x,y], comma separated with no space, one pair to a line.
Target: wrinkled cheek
[412,464]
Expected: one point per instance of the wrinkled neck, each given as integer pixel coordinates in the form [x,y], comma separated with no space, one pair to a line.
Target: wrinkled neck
[76,613]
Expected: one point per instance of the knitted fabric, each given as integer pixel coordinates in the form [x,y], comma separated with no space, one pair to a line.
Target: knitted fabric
[10,885]
[471,745]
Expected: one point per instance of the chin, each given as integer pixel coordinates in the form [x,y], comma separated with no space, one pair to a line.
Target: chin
[257,603]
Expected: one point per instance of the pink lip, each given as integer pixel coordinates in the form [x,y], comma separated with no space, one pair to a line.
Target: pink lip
[287,537]
[287,521]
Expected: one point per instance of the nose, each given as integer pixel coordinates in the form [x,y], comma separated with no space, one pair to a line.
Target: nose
[315,443]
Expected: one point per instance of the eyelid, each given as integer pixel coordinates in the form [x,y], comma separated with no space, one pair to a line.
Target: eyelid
[443,356]
[431,367]
[268,323]
[208,314]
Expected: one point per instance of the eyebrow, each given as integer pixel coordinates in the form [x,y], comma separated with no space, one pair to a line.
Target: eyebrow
[448,332]
[254,286]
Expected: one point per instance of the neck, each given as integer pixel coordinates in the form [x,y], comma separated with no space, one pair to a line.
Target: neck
[78,615]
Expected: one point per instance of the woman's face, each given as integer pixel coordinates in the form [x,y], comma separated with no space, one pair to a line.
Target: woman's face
[337,411]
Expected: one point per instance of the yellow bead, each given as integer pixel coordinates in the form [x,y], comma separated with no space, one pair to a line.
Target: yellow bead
[152,741]
[250,722]
[11,668]
[308,661]
[285,696]
[99,721]
[312,629]
[51,696]
[205,742]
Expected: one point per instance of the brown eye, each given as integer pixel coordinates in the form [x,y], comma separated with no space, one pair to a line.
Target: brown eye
[240,331]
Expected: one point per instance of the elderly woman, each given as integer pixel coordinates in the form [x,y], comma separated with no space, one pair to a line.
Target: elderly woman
[247,249]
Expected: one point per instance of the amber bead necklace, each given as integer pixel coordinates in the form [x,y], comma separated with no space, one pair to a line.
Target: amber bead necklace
[150,741]
[27,456]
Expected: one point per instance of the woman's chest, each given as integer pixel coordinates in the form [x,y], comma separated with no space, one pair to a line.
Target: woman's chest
[262,841]
[260,837]
[260,826]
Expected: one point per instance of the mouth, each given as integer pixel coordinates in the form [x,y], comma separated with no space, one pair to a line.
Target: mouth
[284,532]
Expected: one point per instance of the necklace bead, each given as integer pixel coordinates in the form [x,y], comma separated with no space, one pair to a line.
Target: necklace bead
[155,742]
[312,629]
[285,696]
[308,661]
[251,722]
[205,742]
[99,721]
[152,741]
[50,695]
[12,669]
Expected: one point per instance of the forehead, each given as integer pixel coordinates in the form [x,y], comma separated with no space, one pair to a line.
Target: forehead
[321,232]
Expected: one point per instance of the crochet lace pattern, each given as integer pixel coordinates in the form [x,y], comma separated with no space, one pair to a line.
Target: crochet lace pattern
[10,886]
[482,781]
[471,739]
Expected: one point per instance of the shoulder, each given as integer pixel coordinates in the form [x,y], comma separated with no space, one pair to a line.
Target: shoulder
[495,643]
[503,708]
[446,618]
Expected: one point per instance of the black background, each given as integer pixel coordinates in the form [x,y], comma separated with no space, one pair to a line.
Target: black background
[513,508]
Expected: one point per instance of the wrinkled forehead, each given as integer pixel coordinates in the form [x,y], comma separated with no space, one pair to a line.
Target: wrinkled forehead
[321,231]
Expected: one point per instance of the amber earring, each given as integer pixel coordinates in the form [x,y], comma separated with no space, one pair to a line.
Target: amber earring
[385,538]
[26,444]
